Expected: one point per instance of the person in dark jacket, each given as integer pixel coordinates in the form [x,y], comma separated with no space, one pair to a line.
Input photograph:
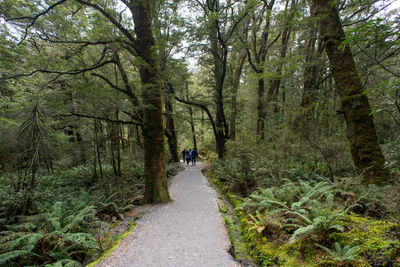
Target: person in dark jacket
[188,156]
[184,155]
[194,156]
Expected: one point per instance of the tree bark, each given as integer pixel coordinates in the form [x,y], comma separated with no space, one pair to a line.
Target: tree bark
[261,109]
[156,187]
[235,87]
[365,149]
[259,55]
[219,52]
[273,91]
[191,118]
[312,73]
[170,128]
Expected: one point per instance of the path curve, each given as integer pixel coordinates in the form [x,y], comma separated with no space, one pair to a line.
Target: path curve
[188,231]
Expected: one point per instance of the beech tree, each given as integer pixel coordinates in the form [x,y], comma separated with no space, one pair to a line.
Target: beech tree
[221,21]
[365,149]
[139,44]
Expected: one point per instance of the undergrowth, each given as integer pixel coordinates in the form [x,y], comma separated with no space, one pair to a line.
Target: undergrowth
[69,215]
[300,217]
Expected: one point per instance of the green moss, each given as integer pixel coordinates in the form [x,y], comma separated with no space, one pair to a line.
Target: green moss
[114,245]
[375,238]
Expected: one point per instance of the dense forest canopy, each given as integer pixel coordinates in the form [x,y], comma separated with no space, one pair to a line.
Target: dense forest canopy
[98,98]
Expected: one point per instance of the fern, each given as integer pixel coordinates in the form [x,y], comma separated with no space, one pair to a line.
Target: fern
[60,235]
[11,256]
[343,255]
[320,227]
[65,263]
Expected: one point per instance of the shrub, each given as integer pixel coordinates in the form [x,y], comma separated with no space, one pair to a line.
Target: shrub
[57,235]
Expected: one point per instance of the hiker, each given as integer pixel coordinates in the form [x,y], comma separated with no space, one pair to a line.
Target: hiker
[188,156]
[184,155]
[194,155]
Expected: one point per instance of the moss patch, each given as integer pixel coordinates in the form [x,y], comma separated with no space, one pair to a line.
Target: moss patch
[378,240]
[113,247]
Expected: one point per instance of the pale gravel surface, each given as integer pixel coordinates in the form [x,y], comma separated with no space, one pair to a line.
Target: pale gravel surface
[186,232]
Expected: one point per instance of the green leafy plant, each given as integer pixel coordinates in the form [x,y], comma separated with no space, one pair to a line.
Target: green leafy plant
[343,256]
[237,173]
[60,235]
[263,223]
[320,227]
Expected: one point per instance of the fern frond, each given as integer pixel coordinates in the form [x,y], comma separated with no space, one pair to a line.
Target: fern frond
[11,256]
[302,232]
[65,263]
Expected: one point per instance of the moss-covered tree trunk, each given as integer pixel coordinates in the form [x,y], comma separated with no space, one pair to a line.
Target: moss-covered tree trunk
[261,109]
[156,187]
[365,149]
[235,87]
[219,52]
[259,49]
[191,121]
[275,82]
[170,129]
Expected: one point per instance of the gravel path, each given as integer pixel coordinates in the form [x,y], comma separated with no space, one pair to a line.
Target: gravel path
[189,231]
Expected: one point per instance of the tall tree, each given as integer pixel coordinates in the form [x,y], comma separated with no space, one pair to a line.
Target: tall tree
[275,82]
[257,55]
[156,187]
[365,149]
[168,34]
[221,20]
[139,44]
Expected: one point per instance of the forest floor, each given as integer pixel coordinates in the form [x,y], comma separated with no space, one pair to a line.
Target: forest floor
[188,231]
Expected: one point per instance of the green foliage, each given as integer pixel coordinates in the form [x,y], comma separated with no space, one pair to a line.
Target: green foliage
[377,239]
[238,174]
[59,235]
[319,227]
[282,223]
[343,255]
[65,226]
[301,196]
[262,223]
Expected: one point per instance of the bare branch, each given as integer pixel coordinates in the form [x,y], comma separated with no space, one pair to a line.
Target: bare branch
[377,61]
[60,73]
[100,118]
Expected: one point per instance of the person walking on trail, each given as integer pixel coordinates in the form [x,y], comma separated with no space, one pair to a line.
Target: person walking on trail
[188,156]
[184,155]
[194,155]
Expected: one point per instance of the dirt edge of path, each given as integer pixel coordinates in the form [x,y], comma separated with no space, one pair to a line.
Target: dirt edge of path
[127,224]
[227,212]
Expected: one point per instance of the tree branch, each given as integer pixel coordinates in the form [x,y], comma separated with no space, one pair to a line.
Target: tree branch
[110,83]
[34,18]
[132,122]
[204,107]
[111,19]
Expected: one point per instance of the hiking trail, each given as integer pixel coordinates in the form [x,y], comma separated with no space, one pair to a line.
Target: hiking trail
[189,231]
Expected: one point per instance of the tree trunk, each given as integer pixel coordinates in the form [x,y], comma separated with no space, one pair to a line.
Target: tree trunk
[156,187]
[170,129]
[118,139]
[259,54]
[365,149]
[261,110]
[219,52]
[276,81]
[191,118]
[98,148]
[312,73]
[235,87]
